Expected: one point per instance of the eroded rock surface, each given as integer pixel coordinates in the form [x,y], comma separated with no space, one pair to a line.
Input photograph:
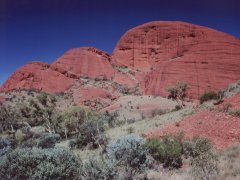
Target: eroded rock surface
[176,51]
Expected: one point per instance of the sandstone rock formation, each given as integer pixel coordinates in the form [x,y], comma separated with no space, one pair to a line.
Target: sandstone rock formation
[39,76]
[176,51]
[146,60]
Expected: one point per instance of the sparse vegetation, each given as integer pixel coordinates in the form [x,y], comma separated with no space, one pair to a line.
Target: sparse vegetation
[32,129]
[235,112]
[211,95]
[178,92]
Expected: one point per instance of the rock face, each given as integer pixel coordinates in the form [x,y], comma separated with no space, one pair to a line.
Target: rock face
[86,61]
[176,51]
[39,76]
[146,60]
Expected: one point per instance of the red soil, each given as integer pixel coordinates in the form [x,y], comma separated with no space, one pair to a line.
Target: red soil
[219,127]
[234,101]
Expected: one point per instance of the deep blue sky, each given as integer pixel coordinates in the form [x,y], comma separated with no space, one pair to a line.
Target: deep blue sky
[44,29]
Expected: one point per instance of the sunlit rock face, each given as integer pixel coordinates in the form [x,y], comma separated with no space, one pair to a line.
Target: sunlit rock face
[168,52]
[147,60]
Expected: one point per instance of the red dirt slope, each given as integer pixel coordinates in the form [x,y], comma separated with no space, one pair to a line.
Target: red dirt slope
[221,128]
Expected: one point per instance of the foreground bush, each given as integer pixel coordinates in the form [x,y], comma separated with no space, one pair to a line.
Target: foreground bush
[98,168]
[5,147]
[91,134]
[40,164]
[130,154]
[204,161]
[167,150]
[48,141]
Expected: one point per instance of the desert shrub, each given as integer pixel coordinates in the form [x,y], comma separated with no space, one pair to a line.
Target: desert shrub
[189,149]
[98,168]
[128,153]
[204,161]
[19,136]
[7,118]
[40,164]
[69,122]
[109,118]
[177,107]
[48,141]
[235,112]
[167,150]
[30,143]
[91,134]
[43,98]
[5,147]
[130,130]
[159,112]
[123,89]
[178,92]
[211,95]
[227,107]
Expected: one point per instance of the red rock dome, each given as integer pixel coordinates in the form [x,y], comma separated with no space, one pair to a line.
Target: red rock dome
[168,52]
[157,55]
[86,61]
[39,76]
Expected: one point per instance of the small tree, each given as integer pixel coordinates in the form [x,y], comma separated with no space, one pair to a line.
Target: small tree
[178,92]
[91,134]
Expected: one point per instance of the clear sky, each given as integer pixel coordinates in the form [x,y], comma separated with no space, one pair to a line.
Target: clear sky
[44,29]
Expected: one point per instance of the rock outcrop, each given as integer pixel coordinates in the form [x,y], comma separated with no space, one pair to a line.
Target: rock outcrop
[39,76]
[176,51]
[146,60]
[86,61]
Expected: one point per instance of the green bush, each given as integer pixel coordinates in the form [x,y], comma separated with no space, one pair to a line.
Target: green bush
[5,147]
[211,95]
[48,141]
[178,92]
[128,153]
[235,113]
[91,134]
[40,164]
[203,161]
[69,122]
[167,150]
[177,107]
[8,118]
[98,168]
